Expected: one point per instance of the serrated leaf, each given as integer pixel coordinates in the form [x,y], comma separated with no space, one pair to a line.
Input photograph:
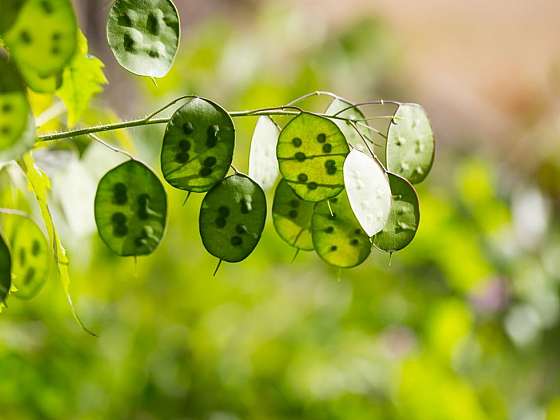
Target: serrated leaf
[368,191]
[263,165]
[82,79]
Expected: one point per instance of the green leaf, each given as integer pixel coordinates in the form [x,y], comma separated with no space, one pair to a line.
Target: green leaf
[131,209]
[352,136]
[43,38]
[338,237]
[311,152]
[17,128]
[31,262]
[404,218]
[82,79]
[263,165]
[144,35]
[232,218]
[5,270]
[410,143]
[292,217]
[368,191]
[197,146]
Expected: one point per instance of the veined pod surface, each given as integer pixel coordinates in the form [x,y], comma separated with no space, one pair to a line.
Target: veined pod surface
[338,237]
[404,218]
[144,35]
[43,37]
[410,143]
[311,152]
[340,108]
[292,217]
[232,218]
[131,209]
[197,146]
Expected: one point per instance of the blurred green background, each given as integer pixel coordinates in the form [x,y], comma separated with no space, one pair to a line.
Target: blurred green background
[463,324]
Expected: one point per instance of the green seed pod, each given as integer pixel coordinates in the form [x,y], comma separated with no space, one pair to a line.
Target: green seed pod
[338,237]
[39,84]
[10,10]
[232,218]
[292,217]
[5,270]
[410,143]
[31,257]
[197,146]
[352,136]
[144,35]
[131,209]
[404,218]
[368,191]
[311,152]
[43,38]
[263,166]
[16,123]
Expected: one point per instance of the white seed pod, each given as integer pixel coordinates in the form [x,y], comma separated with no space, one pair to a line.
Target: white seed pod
[263,165]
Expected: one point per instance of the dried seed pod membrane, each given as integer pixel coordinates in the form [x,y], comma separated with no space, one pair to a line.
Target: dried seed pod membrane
[144,35]
[43,38]
[131,209]
[404,218]
[31,257]
[311,152]
[5,270]
[354,114]
[410,143]
[16,123]
[232,218]
[263,165]
[198,146]
[292,217]
[369,194]
[338,237]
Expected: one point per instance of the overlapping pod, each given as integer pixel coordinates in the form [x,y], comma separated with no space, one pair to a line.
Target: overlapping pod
[337,235]
[292,217]
[197,146]
[355,136]
[311,152]
[5,270]
[144,35]
[131,209]
[410,143]
[232,218]
[404,218]
[263,165]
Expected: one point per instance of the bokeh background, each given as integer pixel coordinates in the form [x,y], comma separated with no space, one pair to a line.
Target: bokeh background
[462,325]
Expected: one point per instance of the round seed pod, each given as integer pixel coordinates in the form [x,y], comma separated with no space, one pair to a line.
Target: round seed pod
[311,152]
[197,146]
[352,136]
[36,83]
[263,166]
[144,35]
[17,128]
[31,257]
[232,218]
[5,270]
[404,218]
[10,10]
[43,38]
[410,143]
[292,217]
[338,237]
[131,209]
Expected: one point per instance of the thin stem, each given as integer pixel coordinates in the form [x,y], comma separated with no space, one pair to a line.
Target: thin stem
[15,212]
[169,104]
[316,93]
[110,146]
[234,169]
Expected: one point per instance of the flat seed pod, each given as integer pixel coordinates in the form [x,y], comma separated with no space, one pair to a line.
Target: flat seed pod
[263,165]
[292,217]
[338,237]
[131,209]
[410,143]
[5,270]
[10,10]
[16,123]
[43,38]
[368,191]
[39,84]
[311,152]
[232,218]
[197,146]
[404,218]
[31,257]
[352,136]
[144,35]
